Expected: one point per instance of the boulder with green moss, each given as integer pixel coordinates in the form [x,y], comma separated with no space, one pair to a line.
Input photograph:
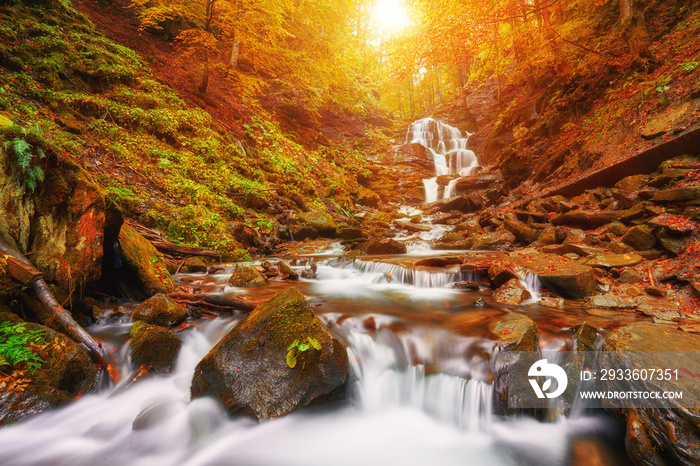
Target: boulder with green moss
[144,262]
[63,371]
[160,310]
[320,221]
[154,347]
[52,209]
[247,276]
[249,370]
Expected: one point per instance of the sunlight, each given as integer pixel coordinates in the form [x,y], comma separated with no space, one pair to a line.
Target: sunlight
[390,14]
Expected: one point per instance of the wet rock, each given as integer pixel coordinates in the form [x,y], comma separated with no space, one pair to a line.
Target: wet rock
[248,372]
[516,332]
[615,260]
[467,286]
[247,276]
[415,228]
[459,203]
[160,310]
[661,312]
[450,237]
[302,232]
[67,371]
[145,262]
[319,220]
[585,337]
[62,222]
[349,232]
[500,273]
[570,279]
[287,270]
[511,292]
[384,246]
[610,301]
[440,261]
[658,436]
[154,346]
[269,270]
[194,265]
[493,241]
[641,238]
[552,301]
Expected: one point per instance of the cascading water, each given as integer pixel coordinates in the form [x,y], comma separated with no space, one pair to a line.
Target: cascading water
[448,148]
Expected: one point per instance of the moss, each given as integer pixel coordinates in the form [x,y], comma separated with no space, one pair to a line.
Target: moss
[145,261]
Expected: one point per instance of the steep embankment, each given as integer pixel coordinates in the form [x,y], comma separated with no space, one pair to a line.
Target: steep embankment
[186,164]
[576,99]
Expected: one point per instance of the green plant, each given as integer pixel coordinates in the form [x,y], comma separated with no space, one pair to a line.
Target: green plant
[297,348]
[15,340]
[23,151]
[689,66]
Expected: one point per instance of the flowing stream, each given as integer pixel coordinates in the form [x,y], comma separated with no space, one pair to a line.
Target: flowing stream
[422,393]
[448,147]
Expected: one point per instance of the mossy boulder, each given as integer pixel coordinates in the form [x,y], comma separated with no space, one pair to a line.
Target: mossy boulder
[320,221]
[194,265]
[67,371]
[247,371]
[155,347]
[61,222]
[145,262]
[247,276]
[160,310]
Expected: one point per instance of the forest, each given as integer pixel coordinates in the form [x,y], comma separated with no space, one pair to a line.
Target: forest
[349,232]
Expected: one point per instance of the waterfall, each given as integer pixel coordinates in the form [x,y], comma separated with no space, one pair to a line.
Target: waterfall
[448,147]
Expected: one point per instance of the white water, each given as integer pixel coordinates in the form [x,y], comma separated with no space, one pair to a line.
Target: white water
[419,399]
[448,148]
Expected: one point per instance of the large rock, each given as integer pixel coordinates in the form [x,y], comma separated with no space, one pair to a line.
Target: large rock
[160,310]
[615,260]
[247,371]
[641,238]
[155,347]
[247,276]
[67,371]
[384,246]
[568,278]
[585,218]
[511,292]
[61,222]
[145,262]
[659,436]
[320,221]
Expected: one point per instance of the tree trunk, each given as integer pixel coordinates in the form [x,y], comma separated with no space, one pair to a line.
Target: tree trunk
[205,77]
[235,50]
[634,28]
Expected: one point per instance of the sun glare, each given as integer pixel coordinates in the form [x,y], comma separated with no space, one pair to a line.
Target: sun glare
[390,14]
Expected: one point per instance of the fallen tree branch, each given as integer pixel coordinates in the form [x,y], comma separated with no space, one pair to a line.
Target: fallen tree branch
[216,301]
[164,245]
[57,312]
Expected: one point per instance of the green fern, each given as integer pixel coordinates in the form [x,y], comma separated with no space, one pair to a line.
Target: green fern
[23,151]
[14,342]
